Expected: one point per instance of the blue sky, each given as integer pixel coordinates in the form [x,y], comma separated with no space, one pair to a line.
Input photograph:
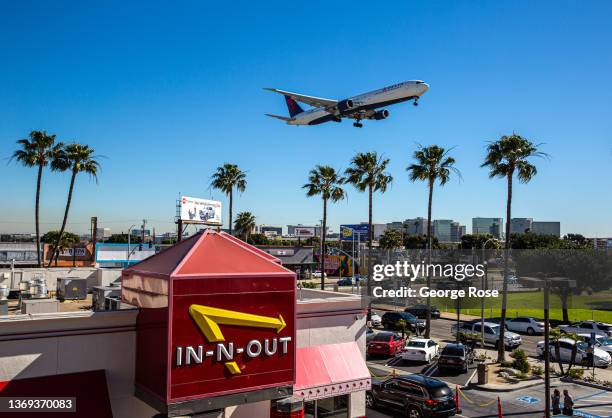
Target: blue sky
[167,92]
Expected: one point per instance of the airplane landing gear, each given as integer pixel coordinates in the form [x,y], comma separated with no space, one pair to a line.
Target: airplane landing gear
[416,102]
[358,125]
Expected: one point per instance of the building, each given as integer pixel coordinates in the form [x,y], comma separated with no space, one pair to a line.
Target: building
[491,226]
[521,225]
[546,228]
[175,353]
[103,233]
[442,229]
[299,259]
[417,226]
[291,229]
[457,231]
[396,226]
[271,231]
[378,230]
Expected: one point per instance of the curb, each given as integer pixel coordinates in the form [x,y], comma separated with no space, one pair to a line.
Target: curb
[510,389]
[583,383]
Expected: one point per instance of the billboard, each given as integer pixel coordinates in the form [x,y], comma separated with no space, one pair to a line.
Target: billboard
[200,211]
[305,231]
[354,232]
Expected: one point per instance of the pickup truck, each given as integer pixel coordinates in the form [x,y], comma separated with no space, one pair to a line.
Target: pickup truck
[491,334]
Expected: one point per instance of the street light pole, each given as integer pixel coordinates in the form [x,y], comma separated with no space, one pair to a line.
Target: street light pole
[484,286]
[129,250]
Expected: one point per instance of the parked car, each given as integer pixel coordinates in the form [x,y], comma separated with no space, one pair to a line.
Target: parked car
[420,349]
[390,320]
[347,281]
[496,320]
[456,356]
[385,343]
[491,333]
[587,327]
[599,341]
[369,335]
[526,324]
[420,311]
[566,345]
[375,319]
[415,395]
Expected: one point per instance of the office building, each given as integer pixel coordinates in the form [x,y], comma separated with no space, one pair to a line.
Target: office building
[271,230]
[546,228]
[521,225]
[417,226]
[491,226]
[456,231]
[442,229]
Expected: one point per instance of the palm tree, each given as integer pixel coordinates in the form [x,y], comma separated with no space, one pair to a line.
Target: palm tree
[245,223]
[367,172]
[505,157]
[325,181]
[37,151]
[432,164]
[225,179]
[77,158]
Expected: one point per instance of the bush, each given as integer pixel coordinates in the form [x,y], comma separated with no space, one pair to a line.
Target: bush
[506,363]
[520,362]
[537,371]
[576,373]
[309,285]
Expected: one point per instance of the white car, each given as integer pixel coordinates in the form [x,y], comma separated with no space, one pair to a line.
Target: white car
[420,349]
[526,324]
[491,333]
[588,327]
[604,343]
[600,357]
[375,319]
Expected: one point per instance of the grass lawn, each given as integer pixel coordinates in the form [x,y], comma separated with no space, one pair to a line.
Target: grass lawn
[597,306]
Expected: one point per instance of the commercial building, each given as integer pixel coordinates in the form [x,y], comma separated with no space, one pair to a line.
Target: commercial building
[416,226]
[271,230]
[491,226]
[546,228]
[457,231]
[217,329]
[521,225]
[442,229]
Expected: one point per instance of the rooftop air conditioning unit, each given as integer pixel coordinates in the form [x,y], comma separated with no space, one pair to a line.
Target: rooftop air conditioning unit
[71,288]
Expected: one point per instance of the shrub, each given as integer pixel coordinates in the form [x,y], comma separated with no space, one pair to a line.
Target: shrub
[520,362]
[537,371]
[506,363]
[309,285]
[576,373]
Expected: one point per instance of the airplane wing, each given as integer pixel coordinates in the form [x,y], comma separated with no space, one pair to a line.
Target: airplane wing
[309,100]
[286,119]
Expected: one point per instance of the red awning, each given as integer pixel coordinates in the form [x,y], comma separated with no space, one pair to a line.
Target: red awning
[329,370]
[89,389]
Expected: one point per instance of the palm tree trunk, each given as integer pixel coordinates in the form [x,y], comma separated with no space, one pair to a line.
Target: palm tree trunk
[36,215]
[323,234]
[370,238]
[429,249]
[61,233]
[501,349]
[231,195]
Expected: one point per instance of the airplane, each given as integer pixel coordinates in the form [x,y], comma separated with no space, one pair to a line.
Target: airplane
[363,106]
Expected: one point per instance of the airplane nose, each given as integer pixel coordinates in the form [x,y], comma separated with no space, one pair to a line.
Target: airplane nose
[424,87]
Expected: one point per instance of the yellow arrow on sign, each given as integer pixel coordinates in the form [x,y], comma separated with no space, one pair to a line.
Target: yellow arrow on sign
[209,319]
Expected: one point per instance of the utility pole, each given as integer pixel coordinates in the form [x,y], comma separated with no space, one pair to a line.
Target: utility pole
[142,231]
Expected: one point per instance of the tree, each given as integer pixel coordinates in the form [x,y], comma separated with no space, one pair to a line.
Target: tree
[58,242]
[469,241]
[37,151]
[577,239]
[259,239]
[506,157]
[245,223]
[432,164]
[367,173]
[390,240]
[77,158]
[226,178]
[324,181]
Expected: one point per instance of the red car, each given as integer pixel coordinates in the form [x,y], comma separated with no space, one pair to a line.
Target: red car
[385,343]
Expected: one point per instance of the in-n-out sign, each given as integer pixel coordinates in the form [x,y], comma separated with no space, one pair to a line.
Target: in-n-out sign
[208,320]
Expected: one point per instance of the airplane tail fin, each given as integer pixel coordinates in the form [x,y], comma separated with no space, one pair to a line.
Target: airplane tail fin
[293,107]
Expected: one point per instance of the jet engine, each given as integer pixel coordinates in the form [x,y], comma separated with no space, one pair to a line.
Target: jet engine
[345,105]
[381,114]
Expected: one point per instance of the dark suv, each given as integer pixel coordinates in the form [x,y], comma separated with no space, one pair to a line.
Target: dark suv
[420,311]
[390,320]
[417,395]
[456,356]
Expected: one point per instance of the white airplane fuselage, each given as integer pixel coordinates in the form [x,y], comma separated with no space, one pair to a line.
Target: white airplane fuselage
[396,93]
